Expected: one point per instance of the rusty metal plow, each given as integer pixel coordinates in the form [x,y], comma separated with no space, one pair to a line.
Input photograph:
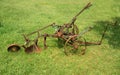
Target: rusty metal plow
[68,34]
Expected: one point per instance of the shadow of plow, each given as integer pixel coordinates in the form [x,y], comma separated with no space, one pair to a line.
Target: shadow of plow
[113,31]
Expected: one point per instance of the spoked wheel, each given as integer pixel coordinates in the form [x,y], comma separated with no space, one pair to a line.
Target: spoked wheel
[75,45]
[82,45]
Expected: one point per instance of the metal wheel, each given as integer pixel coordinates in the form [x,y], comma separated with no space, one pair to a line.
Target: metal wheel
[82,45]
[75,45]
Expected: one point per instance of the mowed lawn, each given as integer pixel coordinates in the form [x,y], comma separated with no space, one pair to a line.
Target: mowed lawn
[19,17]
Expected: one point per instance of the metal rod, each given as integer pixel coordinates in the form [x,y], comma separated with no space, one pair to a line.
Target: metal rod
[40,29]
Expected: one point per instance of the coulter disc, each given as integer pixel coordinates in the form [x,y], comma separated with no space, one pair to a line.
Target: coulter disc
[13,48]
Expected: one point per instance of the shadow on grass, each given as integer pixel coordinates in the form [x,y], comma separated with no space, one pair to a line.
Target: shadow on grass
[113,31]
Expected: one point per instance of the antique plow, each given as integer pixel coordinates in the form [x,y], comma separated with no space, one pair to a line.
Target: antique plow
[68,34]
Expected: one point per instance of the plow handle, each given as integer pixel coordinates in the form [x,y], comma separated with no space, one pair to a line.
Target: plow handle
[86,7]
[75,17]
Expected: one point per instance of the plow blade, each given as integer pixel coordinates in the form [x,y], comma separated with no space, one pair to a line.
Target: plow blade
[32,48]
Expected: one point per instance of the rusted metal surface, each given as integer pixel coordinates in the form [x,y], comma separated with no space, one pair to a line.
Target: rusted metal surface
[13,48]
[32,48]
[68,33]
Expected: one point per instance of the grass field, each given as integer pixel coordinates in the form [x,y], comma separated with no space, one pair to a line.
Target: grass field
[23,16]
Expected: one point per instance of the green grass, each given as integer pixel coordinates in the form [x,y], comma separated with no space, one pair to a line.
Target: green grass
[23,16]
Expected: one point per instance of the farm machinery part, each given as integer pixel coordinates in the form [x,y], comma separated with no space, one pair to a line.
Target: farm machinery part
[67,33]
